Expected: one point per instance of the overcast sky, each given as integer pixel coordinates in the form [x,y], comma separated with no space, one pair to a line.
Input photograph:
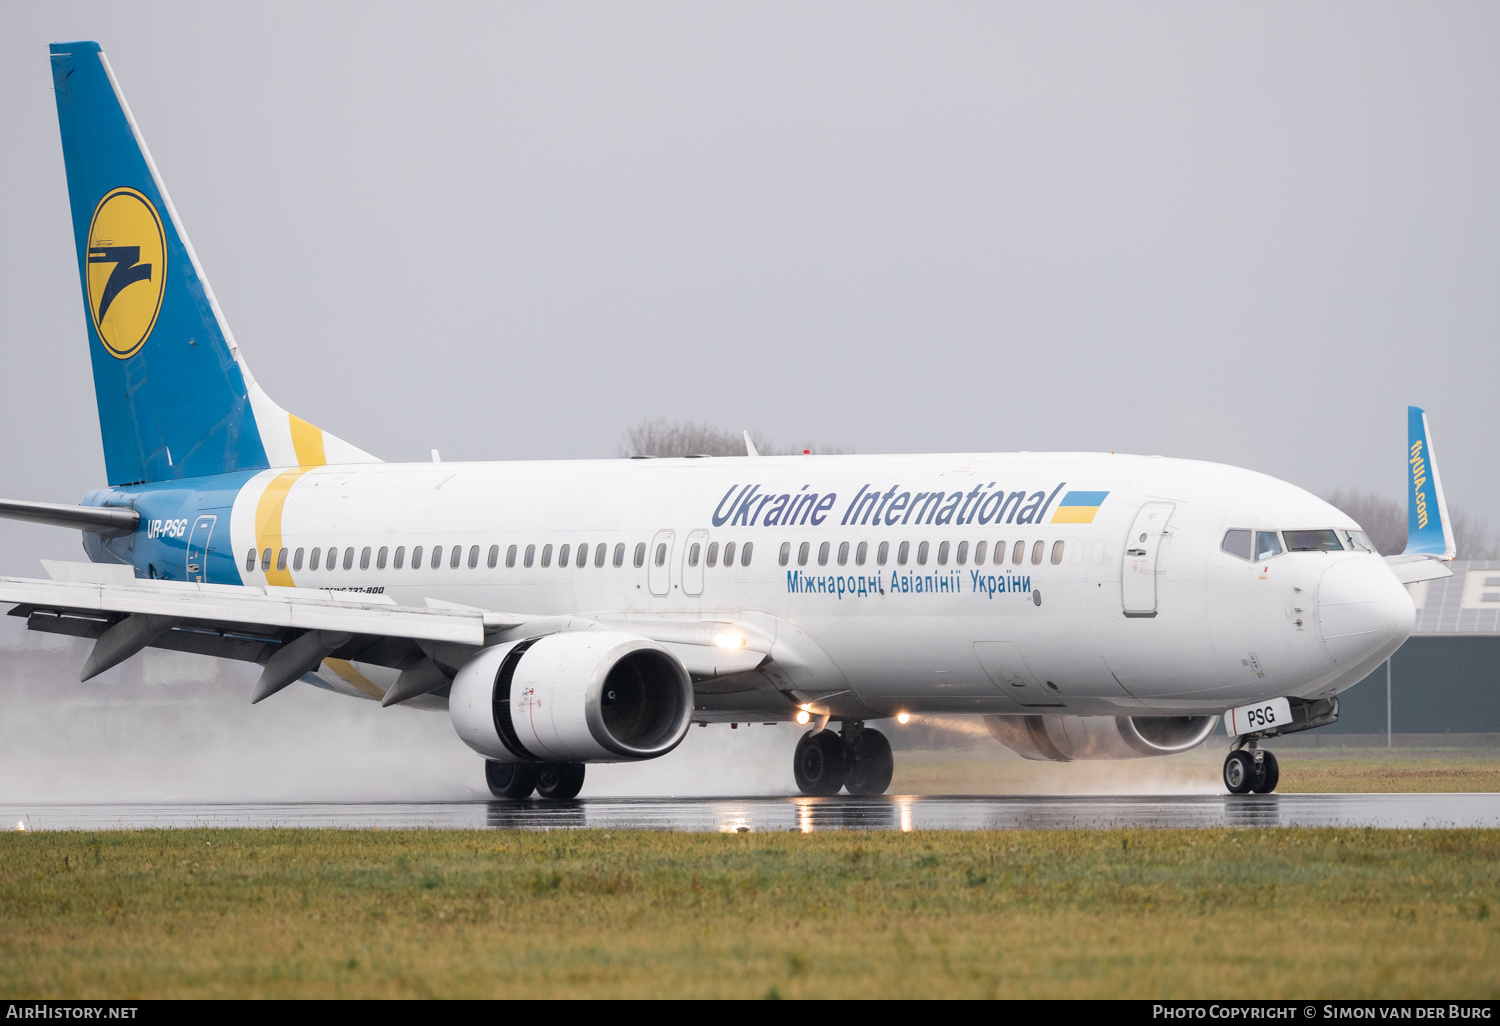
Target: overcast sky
[1235,232]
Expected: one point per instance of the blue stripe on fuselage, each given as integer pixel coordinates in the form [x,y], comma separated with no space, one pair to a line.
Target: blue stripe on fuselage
[169,512]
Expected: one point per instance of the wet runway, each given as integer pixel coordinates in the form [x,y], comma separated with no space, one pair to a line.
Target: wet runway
[792,813]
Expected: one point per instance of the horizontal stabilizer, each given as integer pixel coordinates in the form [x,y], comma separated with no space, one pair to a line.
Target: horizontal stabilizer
[97,519]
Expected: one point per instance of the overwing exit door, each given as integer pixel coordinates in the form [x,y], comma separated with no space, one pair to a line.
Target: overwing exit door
[197,547]
[1138,571]
[692,562]
[659,563]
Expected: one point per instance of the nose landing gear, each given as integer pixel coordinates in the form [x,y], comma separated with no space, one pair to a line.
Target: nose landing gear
[857,760]
[1250,769]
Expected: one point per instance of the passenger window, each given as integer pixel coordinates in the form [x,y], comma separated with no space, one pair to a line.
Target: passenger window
[1267,545]
[297,560]
[250,560]
[600,551]
[802,551]
[861,553]
[882,553]
[312,560]
[693,554]
[281,559]
[494,557]
[922,554]
[1018,553]
[713,554]
[547,555]
[265,560]
[640,555]
[962,555]
[729,553]
[437,557]
[1057,552]
[902,553]
[456,558]
[1036,553]
[999,553]
[1312,541]
[562,555]
[979,551]
[510,557]
[785,555]
[823,554]
[349,557]
[746,551]
[661,554]
[400,559]
[942,554]
[1238,543]
[530,556]
[364,558]
[582,559]
[380,557]
[843,553]
[474,557]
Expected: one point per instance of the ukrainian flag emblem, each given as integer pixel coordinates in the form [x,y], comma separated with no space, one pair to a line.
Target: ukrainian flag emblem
[1078,507]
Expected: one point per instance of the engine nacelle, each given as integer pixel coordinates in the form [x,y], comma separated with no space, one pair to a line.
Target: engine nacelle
[589,696]
[1070,738]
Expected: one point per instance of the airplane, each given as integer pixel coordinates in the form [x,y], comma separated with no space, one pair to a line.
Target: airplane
[562,613]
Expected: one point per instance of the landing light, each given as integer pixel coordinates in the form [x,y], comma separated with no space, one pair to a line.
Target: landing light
[903,718]
[803,716]
[729,640]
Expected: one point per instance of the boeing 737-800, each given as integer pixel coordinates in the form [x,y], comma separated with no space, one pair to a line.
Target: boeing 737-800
[1086,605]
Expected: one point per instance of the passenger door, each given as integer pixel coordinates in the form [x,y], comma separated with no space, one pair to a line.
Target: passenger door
[692,563]
[659,563]
[197,547]
[1138,570]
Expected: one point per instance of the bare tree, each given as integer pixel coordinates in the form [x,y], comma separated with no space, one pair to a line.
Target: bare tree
[1384,520]
[661,437]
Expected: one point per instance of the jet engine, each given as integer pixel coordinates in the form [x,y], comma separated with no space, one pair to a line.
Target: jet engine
[590,696]
[1077,738]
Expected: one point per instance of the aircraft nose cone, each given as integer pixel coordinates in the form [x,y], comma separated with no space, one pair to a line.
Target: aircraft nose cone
[1363,611]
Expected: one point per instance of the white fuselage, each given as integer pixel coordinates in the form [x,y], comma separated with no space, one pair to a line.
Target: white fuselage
[1039,626]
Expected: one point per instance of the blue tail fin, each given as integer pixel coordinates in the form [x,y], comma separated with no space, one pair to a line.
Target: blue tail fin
[175,398]
[1429,531]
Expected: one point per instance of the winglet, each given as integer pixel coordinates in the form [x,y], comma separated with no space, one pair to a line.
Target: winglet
[749,446]
[1429,529]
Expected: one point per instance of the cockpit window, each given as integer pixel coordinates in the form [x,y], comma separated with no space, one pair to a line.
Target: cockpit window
[1237,543]
[1358,541]
[1266,545]
[1312,541]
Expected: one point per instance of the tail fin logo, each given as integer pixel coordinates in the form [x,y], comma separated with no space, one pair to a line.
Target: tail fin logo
[127,270]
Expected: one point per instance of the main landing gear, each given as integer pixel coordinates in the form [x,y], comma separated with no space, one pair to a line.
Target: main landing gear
[857,760]
[1249,768]
[554,781]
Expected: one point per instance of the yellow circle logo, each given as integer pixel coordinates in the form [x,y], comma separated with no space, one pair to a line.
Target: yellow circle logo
[127,270]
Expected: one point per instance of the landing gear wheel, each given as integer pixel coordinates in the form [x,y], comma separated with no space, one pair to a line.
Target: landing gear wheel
[559,781]
[1239,772]
[871,768]
[510,780]
[818,764]
[1270,774]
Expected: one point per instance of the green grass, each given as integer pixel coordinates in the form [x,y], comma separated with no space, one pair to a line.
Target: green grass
[323,913]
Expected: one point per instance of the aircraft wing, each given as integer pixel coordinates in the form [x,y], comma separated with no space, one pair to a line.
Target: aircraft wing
[290,631]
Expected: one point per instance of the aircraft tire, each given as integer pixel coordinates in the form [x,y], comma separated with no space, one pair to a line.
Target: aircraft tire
[511,781]
[1239,772]
[559,781]
[1270,774]
[819,764]
[870,771]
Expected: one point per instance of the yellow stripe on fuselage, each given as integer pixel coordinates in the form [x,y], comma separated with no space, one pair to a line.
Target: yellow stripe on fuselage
[1074,514]
[268,522]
